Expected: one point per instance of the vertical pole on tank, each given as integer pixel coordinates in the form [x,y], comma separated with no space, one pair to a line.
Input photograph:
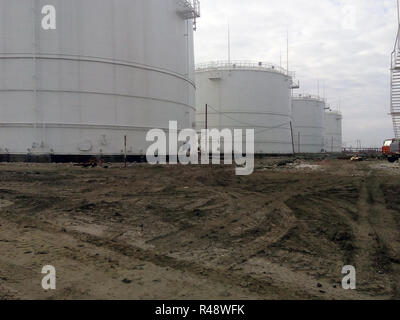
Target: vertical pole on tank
[34,75]
[125,156]
[229,44]
[207,151]
[206,116]
[115,68]
[188,61]
[298,142]
[398,23]
[287,51]
[291,132]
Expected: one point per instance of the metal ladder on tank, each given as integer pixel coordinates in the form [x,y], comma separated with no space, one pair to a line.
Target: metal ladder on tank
[395,92]
[189,9]
[395,82]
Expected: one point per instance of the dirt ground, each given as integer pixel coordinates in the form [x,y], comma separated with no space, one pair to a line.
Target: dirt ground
[200,232]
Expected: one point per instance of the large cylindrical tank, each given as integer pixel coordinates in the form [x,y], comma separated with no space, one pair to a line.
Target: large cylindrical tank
[247,95]
[308,123]
[110,69]
[333,131]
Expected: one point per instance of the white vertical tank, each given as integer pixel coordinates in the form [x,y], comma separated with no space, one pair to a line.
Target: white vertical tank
[247,95]
[109,69]
[308,123]
[333,131]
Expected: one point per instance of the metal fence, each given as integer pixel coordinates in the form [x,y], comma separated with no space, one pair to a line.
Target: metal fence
[362,150]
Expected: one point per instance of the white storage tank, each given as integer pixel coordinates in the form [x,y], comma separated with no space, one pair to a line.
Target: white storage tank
[77,76]
[308,123]
[333,131]
[247,95]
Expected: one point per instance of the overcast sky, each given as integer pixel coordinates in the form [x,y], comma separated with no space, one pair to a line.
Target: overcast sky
[345,44]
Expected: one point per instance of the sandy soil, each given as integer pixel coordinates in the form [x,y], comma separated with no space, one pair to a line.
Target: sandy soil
[200,232]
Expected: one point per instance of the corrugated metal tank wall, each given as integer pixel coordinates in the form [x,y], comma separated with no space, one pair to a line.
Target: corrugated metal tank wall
[308,123]
[247,96]
[111,68]
[333,131]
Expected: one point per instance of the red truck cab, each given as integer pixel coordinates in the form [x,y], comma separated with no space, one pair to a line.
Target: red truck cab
[391,149]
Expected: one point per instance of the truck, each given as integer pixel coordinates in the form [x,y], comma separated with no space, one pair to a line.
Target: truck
[391,149]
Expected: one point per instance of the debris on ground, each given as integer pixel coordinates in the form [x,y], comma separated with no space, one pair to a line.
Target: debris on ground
[94,163]
[356,158]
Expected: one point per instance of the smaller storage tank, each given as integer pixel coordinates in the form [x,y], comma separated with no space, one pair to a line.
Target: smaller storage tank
[308,123]
[247,95]
[333,131]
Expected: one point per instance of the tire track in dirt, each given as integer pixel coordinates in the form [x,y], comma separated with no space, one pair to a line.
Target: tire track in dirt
[262,288]
[231,219]
[376,242]
[365,243]
[387,235]
[289,275]
[93,271]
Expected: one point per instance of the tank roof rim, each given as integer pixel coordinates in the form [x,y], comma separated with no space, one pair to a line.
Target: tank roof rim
[241,65]
[309,97]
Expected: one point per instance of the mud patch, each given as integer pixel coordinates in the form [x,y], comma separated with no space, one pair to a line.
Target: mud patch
[5,203]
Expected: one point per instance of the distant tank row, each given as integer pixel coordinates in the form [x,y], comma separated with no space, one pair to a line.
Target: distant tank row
[258,95]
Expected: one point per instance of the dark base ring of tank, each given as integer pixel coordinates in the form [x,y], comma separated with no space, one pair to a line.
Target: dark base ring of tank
[51,158]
